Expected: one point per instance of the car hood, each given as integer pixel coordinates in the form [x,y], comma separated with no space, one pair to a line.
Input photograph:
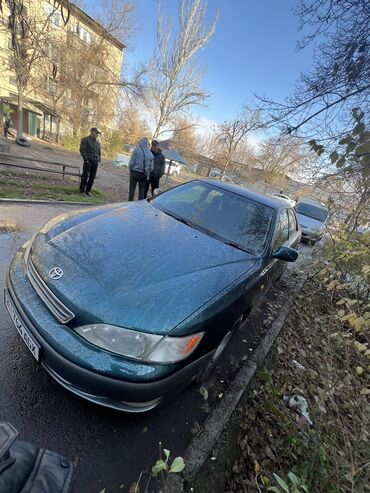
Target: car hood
[307,222]
[134,266]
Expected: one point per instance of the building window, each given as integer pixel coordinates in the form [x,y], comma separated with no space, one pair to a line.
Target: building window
[52,53]
[84,35]
[73,28]
[13,81]
[54,15]
[51,85]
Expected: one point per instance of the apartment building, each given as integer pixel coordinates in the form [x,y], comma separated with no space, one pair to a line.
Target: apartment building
[75,65]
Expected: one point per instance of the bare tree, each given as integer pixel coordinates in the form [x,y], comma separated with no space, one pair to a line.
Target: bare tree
[131,125]
[27,27]
[89,72]
[174,78]
[116,17]
[282,155]
[230,136]
[184,137]
[340,77]
[350,167]
[85,73]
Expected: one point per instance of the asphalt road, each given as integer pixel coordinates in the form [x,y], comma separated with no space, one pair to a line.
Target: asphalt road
[109,449]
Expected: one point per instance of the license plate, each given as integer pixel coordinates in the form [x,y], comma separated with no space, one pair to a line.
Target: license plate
[30,342]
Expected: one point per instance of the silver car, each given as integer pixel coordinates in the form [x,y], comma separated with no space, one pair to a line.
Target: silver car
[312,218]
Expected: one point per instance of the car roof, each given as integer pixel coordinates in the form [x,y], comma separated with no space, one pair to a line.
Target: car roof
[270,201]
[281,195]
[284,198]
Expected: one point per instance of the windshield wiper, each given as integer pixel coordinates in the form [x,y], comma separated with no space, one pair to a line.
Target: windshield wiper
[181,220]
[178,218]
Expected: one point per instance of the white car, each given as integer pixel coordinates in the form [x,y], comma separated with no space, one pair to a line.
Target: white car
[285,197]
[312,218]
[175,168]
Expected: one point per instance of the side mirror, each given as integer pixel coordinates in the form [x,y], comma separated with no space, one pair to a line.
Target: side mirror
[157,191]
[286,253]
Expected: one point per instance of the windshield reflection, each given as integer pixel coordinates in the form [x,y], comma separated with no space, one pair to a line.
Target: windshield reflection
[231,218]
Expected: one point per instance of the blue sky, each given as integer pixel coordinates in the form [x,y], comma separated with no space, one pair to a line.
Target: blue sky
[253,50]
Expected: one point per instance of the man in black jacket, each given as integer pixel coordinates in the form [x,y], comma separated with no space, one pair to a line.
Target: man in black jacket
[91,153]
[159,168]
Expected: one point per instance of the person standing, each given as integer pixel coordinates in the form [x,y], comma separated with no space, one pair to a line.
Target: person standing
[91,153]
[7,125]
[158,169]
[140,166]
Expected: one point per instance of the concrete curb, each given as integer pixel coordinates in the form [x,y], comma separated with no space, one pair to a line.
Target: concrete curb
[52,202]
[202,445]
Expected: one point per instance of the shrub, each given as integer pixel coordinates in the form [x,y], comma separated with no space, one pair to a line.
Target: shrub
[110,140]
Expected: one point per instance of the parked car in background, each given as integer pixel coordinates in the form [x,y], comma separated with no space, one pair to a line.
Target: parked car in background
[285,197]
[175,169]
[87,292]
[129,148]
[363,229]
[215,173]
[121,160]
[312,218]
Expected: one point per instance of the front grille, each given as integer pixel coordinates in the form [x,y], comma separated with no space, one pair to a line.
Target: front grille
[60,311]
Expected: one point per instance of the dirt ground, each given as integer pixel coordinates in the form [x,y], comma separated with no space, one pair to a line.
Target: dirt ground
[314,361]
[111,182]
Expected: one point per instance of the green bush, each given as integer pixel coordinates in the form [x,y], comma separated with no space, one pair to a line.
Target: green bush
[71,143]
[110,140]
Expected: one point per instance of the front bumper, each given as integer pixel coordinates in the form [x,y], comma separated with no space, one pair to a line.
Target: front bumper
[310,235]
[89,383]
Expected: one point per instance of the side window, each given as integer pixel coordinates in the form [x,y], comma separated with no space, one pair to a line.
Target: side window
[283,230]
[292,223]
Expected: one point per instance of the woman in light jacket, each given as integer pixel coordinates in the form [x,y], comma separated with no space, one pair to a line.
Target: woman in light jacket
[140,166]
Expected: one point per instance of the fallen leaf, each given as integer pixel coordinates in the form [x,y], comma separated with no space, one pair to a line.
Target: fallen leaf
[203,392]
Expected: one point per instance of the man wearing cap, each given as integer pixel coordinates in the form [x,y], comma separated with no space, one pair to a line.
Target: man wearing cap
[91,154]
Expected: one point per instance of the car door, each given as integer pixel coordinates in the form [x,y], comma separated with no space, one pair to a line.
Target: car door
[294,234]
[263,281]
[281,239]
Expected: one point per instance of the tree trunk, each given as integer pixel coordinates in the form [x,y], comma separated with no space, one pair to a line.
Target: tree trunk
[20,114]
[351,221]
[156,131]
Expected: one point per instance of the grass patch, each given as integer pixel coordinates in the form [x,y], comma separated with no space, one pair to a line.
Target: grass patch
[7,226]
[32,186]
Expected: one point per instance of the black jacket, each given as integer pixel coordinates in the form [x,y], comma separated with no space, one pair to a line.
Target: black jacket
[90,150]
[159,163]
[25,468]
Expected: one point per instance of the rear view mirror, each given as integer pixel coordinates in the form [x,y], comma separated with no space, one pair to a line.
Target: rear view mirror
[286,253]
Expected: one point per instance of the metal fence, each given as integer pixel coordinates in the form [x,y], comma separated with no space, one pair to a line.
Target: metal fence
[28,163]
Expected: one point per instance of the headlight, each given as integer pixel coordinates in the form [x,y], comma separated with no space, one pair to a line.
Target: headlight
[140,345]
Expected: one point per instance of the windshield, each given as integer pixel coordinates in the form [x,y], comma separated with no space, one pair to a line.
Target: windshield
[318,213]
[227,216]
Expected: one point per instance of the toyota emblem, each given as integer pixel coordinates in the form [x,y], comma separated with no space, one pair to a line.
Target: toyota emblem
[55,273]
